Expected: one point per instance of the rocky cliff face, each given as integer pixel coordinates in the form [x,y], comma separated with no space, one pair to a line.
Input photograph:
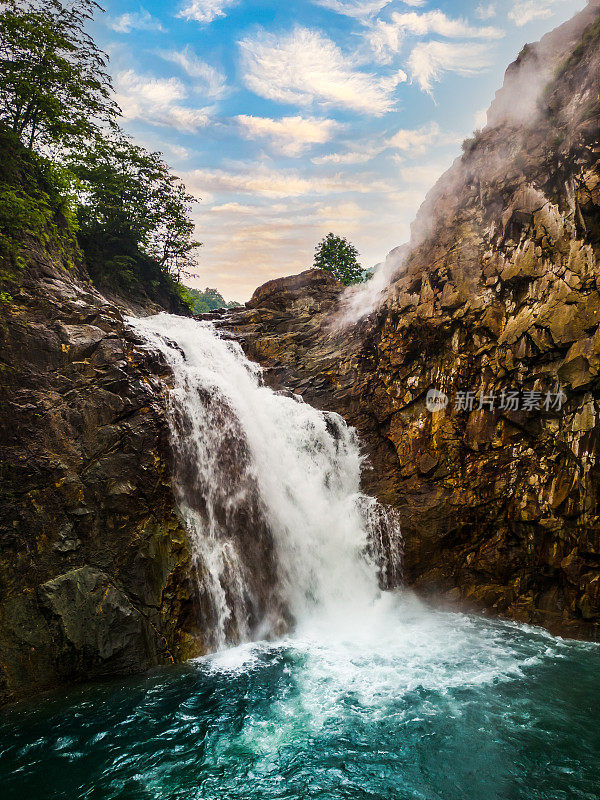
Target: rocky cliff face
[95,572]
[498,293]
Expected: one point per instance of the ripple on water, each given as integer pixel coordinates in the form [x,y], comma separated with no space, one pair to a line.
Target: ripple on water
[416,704]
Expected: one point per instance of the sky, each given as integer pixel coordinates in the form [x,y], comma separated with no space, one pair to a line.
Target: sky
[288,120]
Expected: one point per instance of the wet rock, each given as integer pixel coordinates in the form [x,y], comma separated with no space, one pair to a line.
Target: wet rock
[98,621]
[95,571]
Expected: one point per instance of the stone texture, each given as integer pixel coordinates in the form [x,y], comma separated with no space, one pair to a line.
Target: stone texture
[95,573]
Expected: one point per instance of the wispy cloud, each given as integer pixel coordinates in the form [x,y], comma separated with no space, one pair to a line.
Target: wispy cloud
[416,141]
[277,183]
[342,212]
[359,9]
[290,136]
[140,20]
[410,142]
[205,11]
[385,38]
[211,81]
[486,11]
[524,11]
[424,175]
[157,101]
[356,156]
[305,67]
[429,60]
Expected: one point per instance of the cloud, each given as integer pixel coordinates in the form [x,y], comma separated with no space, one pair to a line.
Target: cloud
[205,11]
[260,181]
[386,38]
[156,102]
[290,136]
[304,67]
[271,183]
[410,142]
[359,9]
[140,20]
[417,140]
[351,157]
[342,212]
[424,175]
[486,11]
[524,11]
[233,208]
[429,60]
[179,152]
[211,82]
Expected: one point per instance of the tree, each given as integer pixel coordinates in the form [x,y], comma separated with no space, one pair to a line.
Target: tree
[54,87]
[131,216]
[208,300]
[132,204]
[336,255]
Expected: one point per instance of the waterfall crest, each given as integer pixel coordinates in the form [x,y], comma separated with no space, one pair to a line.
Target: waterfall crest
[269,489]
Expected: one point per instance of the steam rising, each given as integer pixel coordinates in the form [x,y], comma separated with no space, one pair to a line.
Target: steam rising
[511,118]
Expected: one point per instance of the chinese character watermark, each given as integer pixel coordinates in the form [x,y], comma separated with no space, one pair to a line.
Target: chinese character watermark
[507,400]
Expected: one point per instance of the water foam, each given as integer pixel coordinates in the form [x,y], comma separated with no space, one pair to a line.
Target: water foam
[297,468]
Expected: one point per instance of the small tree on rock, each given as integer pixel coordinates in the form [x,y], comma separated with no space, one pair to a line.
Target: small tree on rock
[338,256]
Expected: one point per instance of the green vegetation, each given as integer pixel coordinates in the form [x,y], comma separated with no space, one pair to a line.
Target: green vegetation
[34,202]
[69,174]
[469,143]
[208,300]
[54,86]
[336,255]
[133,217]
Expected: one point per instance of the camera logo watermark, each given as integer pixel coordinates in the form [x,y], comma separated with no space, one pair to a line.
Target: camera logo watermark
[507,400]
[436,401]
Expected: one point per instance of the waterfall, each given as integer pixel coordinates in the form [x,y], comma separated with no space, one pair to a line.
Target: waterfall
[269,489]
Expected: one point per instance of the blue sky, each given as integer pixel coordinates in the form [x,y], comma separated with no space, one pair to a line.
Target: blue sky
[291,119]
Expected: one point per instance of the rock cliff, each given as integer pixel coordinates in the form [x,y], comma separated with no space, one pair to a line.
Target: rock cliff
[497,293]
[95,574]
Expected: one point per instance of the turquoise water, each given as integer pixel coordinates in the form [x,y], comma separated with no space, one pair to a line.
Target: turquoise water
[409,703]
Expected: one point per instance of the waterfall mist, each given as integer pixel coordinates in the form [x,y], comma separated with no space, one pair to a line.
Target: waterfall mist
[516,115]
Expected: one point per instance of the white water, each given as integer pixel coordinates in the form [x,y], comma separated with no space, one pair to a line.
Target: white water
[245,445]
[371,695]
[239,445]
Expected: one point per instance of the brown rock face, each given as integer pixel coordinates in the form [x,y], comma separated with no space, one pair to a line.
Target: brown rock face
[303,292]
[95,573]
[499,293]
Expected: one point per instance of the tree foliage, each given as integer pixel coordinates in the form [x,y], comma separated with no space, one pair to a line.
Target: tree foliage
[35,201]
[132,217]
[130,198]
[54,87]
[208,300]
[338,256]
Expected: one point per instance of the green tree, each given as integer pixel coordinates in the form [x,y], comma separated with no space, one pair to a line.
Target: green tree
[336,255]
[131,205]
[208,300]
[54,87]
[131,216]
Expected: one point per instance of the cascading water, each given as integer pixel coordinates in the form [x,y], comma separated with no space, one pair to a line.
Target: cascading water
[353,693]
[249,458]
